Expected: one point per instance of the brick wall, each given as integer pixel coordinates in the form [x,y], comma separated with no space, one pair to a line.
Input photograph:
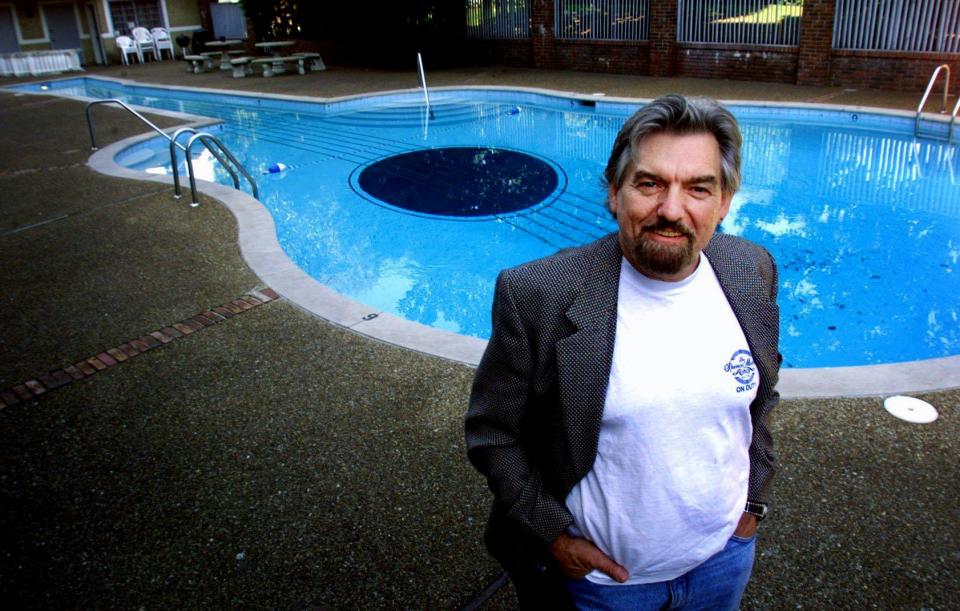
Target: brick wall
[745,63]
[506,52]
[541,33]
[891,71]
[602,56]
[663,37]
[816,39]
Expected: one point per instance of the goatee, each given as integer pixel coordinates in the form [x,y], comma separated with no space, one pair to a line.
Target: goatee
[660,258]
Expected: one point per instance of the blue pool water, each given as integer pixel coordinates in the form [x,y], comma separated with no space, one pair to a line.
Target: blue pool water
[863,218]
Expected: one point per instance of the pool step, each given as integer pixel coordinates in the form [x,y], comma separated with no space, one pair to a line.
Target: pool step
[553,229]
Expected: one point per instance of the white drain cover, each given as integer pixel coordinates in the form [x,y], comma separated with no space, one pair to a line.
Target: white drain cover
[910,409]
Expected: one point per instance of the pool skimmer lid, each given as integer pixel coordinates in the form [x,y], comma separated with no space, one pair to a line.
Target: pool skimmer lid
[910,409]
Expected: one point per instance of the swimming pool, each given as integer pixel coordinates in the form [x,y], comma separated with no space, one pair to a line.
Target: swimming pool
[862,218]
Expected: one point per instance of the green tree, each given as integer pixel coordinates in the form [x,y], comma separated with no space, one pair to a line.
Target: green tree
[274,19]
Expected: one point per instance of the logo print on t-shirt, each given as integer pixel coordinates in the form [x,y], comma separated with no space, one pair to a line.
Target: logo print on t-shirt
[742,369]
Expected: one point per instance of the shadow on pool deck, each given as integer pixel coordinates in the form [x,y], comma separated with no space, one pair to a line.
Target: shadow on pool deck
[274,460]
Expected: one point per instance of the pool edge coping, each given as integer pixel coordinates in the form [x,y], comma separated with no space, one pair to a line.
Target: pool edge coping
[572,95]
[261,250]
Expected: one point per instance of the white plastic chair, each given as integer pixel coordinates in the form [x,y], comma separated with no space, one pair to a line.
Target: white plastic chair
[161,40]
[128,47]
[144,43]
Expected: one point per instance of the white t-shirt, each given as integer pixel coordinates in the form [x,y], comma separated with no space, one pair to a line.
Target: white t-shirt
[669,483]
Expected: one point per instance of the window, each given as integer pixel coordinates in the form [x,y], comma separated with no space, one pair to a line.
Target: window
[490,19]
[128,14]
[740,22]
[601,19]
[898,25]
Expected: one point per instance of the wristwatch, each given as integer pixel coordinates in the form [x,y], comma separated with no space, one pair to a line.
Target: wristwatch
[758,509]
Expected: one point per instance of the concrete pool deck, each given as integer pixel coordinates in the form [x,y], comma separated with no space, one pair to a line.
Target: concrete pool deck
[272,459]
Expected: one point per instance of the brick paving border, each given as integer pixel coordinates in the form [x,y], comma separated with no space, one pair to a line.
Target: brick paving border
[111,357]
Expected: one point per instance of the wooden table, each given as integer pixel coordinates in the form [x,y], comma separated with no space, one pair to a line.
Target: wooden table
[223,46]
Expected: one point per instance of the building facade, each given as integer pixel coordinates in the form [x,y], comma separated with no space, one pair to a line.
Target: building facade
[90,25]
[884,44]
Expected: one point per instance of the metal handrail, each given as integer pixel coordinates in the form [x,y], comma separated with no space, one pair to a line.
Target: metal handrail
[953,119]
[221,153]
[93,139]
[176,170]
[926,94]
[423,83]
[207,139]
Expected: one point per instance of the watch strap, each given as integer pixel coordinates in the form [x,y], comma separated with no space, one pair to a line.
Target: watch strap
[758,509]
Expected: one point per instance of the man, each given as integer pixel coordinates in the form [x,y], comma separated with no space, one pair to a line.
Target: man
[620,411]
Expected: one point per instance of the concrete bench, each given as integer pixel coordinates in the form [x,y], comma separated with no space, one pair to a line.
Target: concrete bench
[241,66]
[275,65]
[198,63]
[311,60]
[216,58]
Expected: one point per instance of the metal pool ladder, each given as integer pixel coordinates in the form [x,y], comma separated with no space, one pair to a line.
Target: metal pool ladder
[219,152]
[943,105]
[216,148]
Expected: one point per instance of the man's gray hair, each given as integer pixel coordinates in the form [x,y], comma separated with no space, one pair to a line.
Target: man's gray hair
[677,114]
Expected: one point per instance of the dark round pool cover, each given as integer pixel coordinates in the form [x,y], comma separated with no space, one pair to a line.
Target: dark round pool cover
[460,181]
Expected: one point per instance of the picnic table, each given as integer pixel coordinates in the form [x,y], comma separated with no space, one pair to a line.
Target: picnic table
[274,64]
[224,46]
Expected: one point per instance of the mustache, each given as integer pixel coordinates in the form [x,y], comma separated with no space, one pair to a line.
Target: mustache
[677,226]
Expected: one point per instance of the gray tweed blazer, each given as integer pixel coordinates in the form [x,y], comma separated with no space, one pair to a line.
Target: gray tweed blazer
[537,400]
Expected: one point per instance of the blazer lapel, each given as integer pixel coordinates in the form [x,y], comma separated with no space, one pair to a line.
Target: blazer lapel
[584,357]
[749,299]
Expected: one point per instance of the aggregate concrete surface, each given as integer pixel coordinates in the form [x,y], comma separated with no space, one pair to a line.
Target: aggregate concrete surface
[277,461]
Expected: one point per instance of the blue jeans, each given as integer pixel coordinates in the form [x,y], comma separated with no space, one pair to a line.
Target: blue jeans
[715,585]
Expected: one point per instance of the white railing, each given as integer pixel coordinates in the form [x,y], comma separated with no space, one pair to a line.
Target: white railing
[897,25]
[37,63]
[601,19]
[744,22]
[505,19]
